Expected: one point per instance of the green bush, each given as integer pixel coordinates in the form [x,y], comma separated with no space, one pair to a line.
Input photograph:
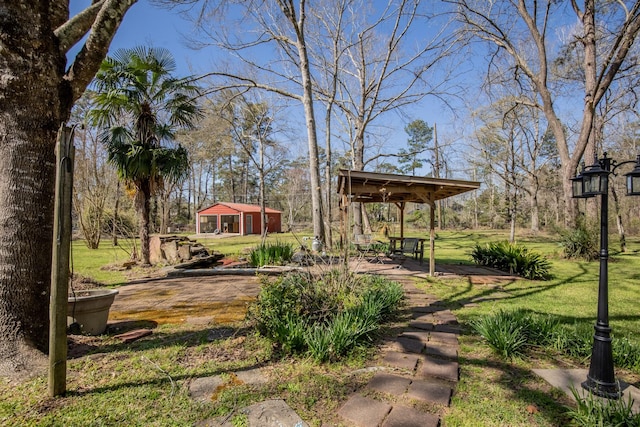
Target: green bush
[271,254]
[593,411]
[325,315]
[512,258]
[580,243]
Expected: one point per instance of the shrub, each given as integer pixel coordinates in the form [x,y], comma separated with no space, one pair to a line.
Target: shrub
[593,411]
[512,258]
[325,315]
[580,243]
[271,254]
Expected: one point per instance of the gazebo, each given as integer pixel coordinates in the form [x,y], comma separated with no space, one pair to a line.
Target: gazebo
[371,187]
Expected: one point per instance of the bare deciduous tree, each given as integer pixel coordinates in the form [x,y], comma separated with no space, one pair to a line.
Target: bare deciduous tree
[522,31]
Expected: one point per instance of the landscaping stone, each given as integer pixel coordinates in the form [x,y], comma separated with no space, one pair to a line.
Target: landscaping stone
[401,416]
[270,413]
[410,345]
[131,336]
[446,317]
[202,389]
[401,360]
[389,383]
[363,411]
[441,351]
[438,368]
[429,391]
[443,337]
[452,329]
[425,309]
[418,324]
[420,336]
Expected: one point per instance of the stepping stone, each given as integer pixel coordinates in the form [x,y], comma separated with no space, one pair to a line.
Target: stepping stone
[206,388]
[270,413]
[428,391]
[452,329]
[446,317]
[401,416]
[409,345]
[202,389]
[425,309]
[422,317]
[251,376]
[443,337]
[363,411]
[438,368]
[421,336]
[389,383]
[401,360]
[441,351]
[419,324]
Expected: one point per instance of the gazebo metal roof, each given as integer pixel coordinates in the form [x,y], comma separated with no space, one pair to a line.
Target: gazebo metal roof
[370,187]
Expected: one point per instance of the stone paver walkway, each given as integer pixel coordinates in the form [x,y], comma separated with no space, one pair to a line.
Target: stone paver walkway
[422,367]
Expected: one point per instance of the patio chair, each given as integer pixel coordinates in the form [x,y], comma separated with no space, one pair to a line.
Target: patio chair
[366,245]
[411,246]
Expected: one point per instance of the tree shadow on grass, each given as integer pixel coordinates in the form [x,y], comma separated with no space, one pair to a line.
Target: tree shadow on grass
[94,346]
[470,295]
[537,398]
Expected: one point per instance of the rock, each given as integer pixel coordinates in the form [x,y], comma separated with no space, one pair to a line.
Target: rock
[171,249]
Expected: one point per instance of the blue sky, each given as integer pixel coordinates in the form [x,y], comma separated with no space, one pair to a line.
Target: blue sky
[150,25]
[146,24]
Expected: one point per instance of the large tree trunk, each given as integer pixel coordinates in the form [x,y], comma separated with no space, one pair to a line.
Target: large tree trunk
[36,96]
[32,107]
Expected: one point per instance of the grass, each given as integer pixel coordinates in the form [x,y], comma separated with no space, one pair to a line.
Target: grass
[571,297]
[146,382]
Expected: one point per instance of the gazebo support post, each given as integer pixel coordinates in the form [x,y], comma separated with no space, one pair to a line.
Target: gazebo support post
[432,240]
[401,207]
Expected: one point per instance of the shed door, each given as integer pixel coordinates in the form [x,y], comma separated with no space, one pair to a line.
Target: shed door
[249,219]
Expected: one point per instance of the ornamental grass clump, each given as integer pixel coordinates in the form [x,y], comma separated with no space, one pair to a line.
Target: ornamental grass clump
[593,411]
[513,333]
[513,259]
[277,253]
[325,315]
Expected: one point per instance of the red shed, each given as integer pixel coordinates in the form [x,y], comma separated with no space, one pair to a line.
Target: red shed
[236,218]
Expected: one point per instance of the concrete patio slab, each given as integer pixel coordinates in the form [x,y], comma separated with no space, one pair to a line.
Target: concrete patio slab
[566,379]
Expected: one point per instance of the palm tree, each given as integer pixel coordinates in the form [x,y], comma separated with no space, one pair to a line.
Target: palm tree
[139,106]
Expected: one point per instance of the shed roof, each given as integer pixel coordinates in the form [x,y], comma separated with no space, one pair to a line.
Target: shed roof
[368,187]
[241,207]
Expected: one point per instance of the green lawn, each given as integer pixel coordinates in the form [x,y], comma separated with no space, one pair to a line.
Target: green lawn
[146,382]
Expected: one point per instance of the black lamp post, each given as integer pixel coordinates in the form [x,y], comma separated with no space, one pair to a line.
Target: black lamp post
[591,182]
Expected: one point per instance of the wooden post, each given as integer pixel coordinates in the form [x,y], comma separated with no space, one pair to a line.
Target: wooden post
[60,263]
[432,241]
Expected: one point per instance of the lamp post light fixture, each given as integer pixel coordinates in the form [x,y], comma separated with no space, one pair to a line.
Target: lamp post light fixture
[594,181]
